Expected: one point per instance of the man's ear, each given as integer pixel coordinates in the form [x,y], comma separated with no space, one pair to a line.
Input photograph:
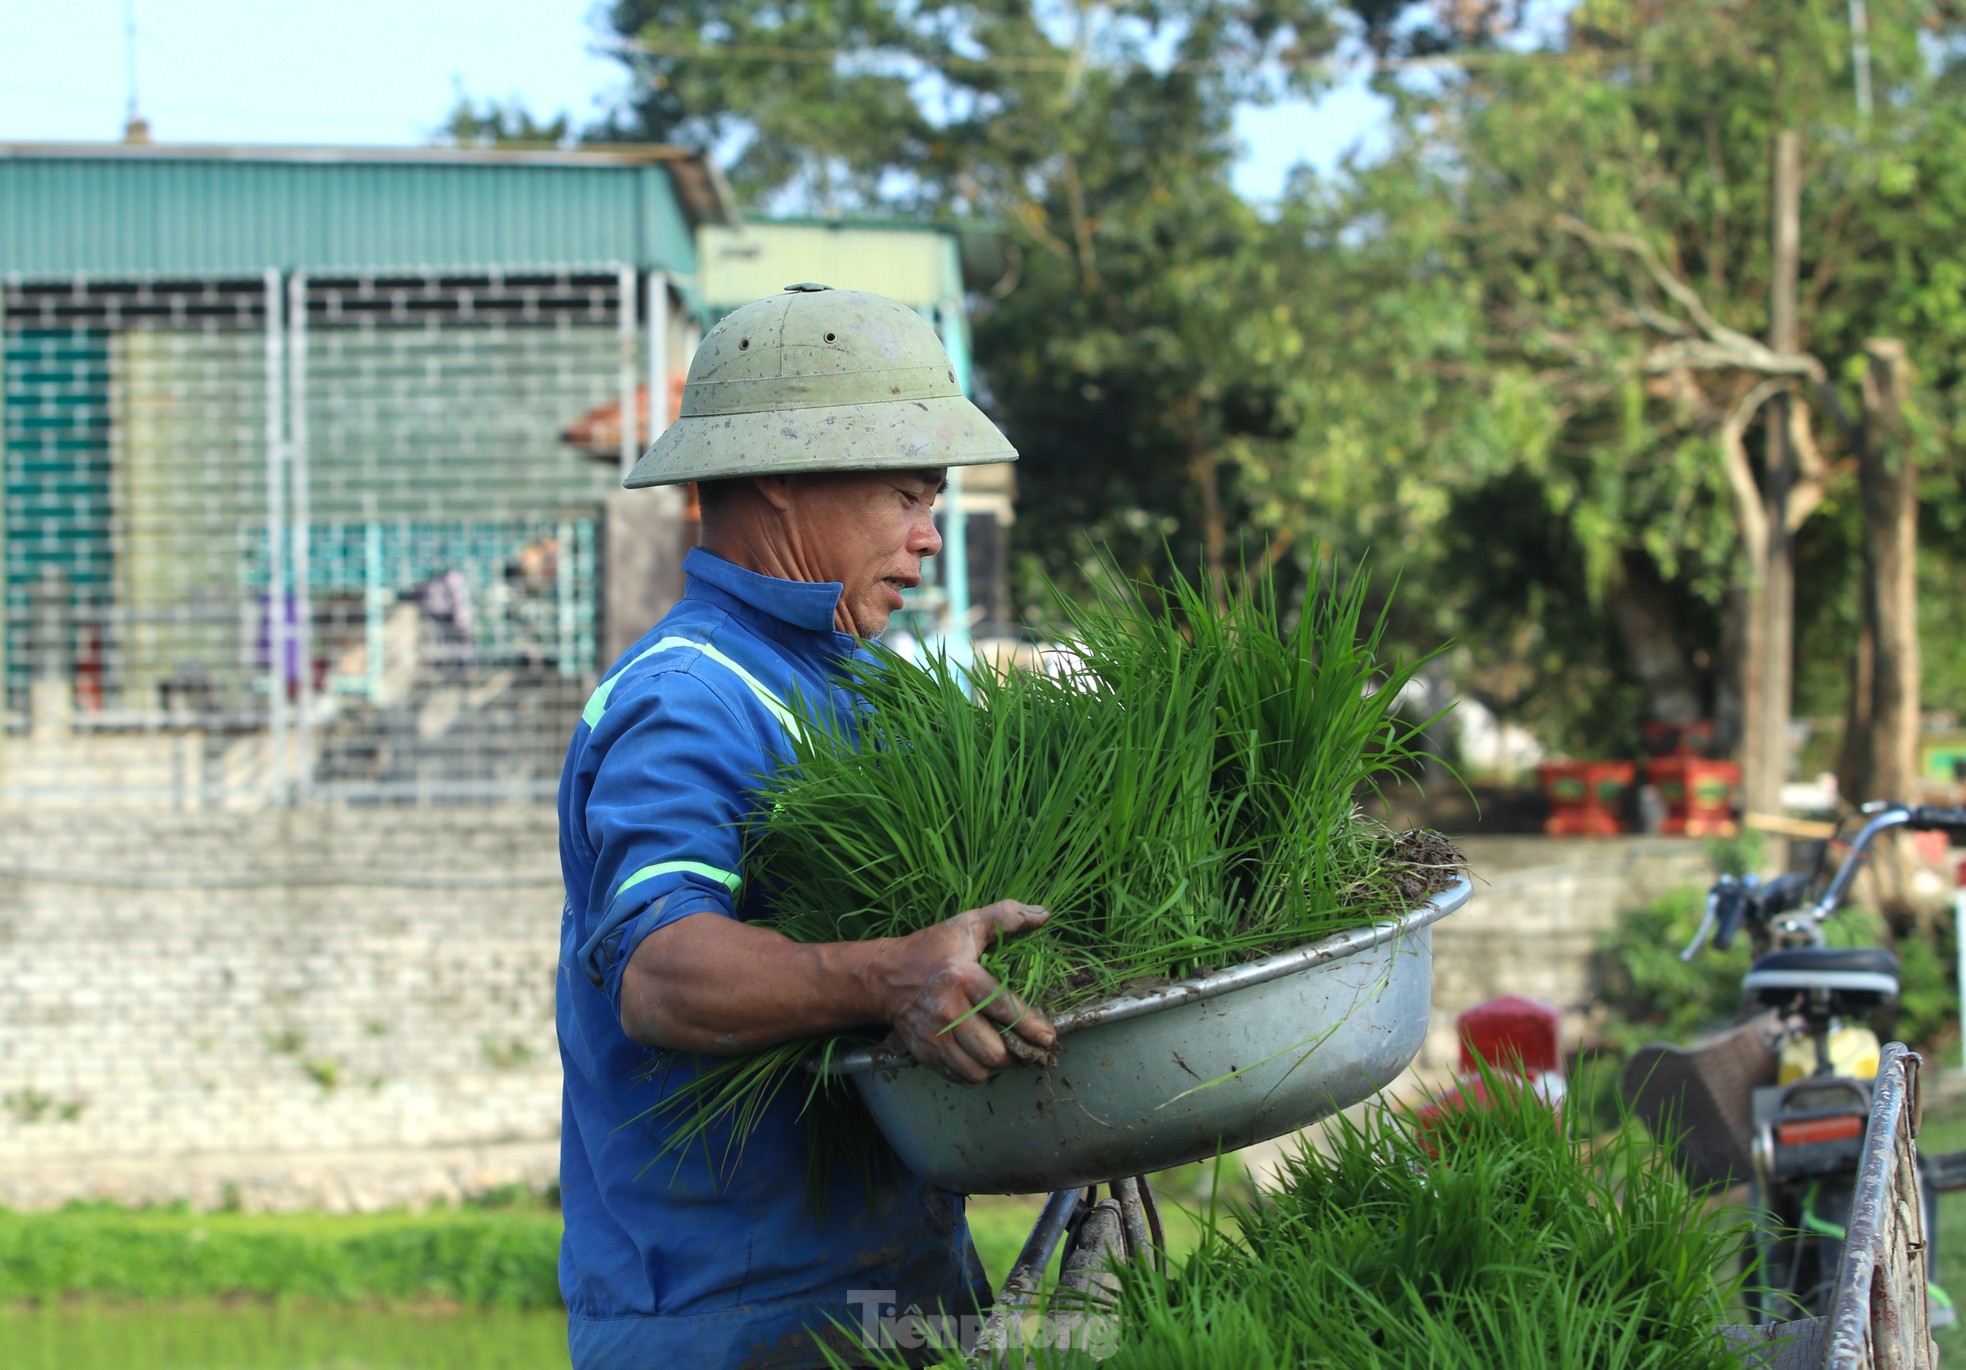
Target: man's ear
[776,491]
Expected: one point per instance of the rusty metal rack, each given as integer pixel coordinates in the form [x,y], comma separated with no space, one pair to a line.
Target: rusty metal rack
[1879,1318]
[1095,1234]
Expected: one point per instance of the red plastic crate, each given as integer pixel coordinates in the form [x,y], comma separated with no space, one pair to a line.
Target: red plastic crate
[1585,796]
[1698,794]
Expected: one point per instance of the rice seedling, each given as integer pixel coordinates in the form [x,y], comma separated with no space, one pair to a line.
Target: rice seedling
[1185,797]
[1502,1243]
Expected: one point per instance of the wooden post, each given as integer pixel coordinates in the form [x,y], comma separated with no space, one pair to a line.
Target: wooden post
[1888,479]
[1769,682]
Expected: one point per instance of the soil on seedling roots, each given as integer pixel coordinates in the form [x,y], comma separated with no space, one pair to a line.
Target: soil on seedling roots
[1423,863]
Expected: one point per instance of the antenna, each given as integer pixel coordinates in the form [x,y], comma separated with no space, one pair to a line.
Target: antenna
[136,129]
[1860,56]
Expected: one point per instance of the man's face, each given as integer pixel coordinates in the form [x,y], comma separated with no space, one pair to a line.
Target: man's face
[870,531]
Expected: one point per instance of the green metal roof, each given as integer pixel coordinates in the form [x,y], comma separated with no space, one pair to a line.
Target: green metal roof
[160,211]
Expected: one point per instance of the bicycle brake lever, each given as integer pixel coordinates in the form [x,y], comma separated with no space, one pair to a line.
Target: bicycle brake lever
[1706,926]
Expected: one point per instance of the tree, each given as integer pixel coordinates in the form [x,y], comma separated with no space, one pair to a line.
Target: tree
[501,123]
[1530,353]
[820,92]
[1592,228]
[1122,351]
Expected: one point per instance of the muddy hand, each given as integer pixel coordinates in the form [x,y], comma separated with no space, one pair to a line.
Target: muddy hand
[934,982]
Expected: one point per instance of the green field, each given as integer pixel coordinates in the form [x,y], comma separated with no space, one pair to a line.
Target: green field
[101,1288]
[98,1288]
[502,1257]
[210,1334]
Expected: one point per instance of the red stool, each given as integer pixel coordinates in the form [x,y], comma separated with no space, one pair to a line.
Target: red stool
[1511,1036]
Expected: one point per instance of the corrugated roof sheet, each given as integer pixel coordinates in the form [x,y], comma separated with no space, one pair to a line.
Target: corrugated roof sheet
[116,210]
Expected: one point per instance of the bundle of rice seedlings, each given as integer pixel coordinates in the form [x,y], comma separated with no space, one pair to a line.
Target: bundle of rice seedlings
[1502,1245]
[1184,797]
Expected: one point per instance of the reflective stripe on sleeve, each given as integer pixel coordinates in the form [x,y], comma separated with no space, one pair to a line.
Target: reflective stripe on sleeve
[724,878]
[597,704]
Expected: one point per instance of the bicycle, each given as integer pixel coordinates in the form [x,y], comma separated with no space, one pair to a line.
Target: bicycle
[1782,1099]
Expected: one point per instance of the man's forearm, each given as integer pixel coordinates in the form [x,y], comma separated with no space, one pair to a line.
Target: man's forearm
[712,984]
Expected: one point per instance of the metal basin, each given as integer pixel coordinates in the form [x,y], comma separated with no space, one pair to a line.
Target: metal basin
[1175,1074]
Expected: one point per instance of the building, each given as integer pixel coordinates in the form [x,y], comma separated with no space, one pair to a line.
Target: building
[288,505]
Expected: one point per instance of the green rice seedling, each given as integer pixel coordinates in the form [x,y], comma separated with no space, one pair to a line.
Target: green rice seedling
[1501,1242]
[1185,797]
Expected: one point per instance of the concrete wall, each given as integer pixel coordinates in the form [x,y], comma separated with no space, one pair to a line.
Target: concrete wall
[1539,907]
[353,1008]
[305,1007]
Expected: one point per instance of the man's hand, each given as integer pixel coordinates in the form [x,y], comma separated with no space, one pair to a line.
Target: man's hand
[930,979]
[709,983]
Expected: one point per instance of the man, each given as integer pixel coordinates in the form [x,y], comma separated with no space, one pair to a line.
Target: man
[819,424]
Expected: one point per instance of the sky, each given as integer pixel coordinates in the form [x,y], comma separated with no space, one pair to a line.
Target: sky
[387,72]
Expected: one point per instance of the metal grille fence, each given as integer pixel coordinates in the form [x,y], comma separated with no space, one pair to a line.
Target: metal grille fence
[266,539]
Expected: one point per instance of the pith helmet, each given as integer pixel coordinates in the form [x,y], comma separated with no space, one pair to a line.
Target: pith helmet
[819,380]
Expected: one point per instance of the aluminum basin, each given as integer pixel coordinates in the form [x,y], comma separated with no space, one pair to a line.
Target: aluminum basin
[1175,1074]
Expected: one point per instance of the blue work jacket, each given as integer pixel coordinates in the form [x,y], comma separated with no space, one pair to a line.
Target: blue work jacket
[671,1258]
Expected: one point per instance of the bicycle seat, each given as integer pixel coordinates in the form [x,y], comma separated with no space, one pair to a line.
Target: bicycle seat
[1863,974]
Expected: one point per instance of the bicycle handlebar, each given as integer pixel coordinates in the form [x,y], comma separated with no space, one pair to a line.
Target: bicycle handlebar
[1731,897]
[1895,816]
[1936,818]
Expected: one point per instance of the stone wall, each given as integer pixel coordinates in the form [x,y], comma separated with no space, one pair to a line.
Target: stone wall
[298,1007]
[1540,905]
[352,1008]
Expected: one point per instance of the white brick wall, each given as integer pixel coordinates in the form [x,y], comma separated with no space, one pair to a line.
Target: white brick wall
[1539,907]
[177,988]
[354,1007]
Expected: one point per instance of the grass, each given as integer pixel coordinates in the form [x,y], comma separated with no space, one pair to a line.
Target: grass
[217,1335]
[142,1287]
[486,1258]
[1184,797]
[1944,1130]
[504,1256]
[1492,1240]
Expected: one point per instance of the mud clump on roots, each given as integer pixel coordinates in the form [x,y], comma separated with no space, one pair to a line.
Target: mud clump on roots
[1419,864]
[1028,1054]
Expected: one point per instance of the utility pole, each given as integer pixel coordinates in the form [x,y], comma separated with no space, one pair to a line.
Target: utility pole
[1860,56]
[1771,646]
[136,128]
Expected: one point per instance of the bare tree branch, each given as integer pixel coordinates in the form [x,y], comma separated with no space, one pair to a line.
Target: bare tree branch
[1740,474]
[1726,347]
[1661,323]
[1802,434]
[1675,289]
[1697,355]
[1081,225]
[1723,348]
[1808,492]
[1027,213]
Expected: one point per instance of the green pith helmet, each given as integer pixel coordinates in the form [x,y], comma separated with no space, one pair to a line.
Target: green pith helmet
[819,380]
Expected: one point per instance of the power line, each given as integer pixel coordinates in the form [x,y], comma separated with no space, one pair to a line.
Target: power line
[1062,62]
[75,96]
